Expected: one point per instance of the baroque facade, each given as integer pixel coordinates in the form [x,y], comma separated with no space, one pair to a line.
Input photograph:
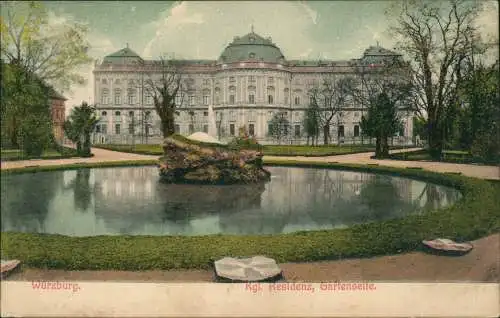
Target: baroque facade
[246,86]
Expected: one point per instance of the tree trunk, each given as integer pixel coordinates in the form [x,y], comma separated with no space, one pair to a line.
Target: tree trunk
[435,140]
[385,147]
[378,148]
[167,124]
[326,133]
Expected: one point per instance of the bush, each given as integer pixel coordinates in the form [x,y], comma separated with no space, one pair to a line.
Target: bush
[474,216]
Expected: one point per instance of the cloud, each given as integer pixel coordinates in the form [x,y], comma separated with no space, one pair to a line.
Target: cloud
[208,27]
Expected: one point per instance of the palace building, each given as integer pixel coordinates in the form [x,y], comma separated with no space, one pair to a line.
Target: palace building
[246,86]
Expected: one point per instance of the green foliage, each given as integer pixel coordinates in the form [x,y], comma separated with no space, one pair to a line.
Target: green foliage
[279,126]
[312,122]
[381,122]
[53,53]
[80,125]
[475,215]
[25,111]
[57,152]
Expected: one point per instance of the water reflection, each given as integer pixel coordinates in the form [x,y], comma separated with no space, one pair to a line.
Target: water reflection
[133,201]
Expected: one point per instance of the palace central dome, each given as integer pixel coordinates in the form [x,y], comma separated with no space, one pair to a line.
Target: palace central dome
[252,47]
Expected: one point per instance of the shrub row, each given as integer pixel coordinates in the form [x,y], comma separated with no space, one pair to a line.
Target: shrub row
[475,215]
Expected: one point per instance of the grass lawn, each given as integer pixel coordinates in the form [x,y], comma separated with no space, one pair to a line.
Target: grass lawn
[270,150]
[451,156]
[17,154]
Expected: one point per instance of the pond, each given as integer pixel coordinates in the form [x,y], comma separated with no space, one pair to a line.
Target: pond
[132,201]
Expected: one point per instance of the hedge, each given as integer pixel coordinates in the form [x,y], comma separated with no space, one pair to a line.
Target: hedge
[475,215]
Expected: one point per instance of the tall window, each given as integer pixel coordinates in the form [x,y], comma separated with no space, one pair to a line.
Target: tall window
[232,79]
[270,99]
[251,99]
[191,128]
[149,99]
[205,128]
[178,100]
[286,99]
[297,100]
[118,116]
[105,96]
[104,114]
[117,129]
[356,131]
[104,128]
[131,96]
[270,80]
[231,99]
[205,100]
[251,79]
[231,129]
[341,131]
[297,130]
[251,129]
[177,129]
[131,128]
[147,116]
[191,100]
[118,96]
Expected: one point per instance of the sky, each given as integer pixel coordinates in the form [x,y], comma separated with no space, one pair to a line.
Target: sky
[201,29]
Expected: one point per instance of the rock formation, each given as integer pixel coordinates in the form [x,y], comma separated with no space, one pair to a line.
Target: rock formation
[190,161]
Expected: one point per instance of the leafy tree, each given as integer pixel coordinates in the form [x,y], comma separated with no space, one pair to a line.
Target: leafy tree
[438,36]
[381,122]
[52,52]
[25,111]
[79,126]
[279,126]
[312,123]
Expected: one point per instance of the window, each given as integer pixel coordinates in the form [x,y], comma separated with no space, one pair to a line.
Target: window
[117,129]
[205,100]
[104,81]
[98,128]
[131,128]
[251,79]
[178,100]
[270,80]
[232,79]
[147,116]
[131,97]
[118,96]
[177,129]
[205,128]
[191,100]
[104,114]
[286,99]
[251,129]
[104,128]
[147,129]
[149,99]
[191,128]
[118,116]
[297,130]
[105,96]
[205,114]
[356,131]
[206,82]
[269,129]
[117,81]
[231,99]
[297,100]
[231,129]
[270,99]
[251,99]
[341,131]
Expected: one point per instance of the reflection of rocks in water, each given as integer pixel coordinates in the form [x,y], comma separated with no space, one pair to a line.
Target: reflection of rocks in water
[183,202]
[26,199]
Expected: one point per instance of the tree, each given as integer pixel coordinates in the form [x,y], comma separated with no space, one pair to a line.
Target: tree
[80,125]
[381,122]
[312,123]
[438,36]
[279,126]
[25,111]
[329,98]
[166,87]
[52,52]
